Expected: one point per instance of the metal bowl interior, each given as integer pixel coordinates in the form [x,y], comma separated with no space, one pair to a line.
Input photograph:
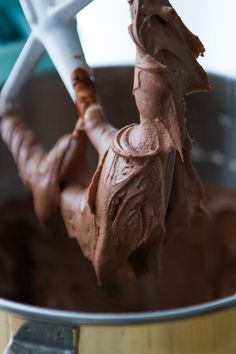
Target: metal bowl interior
[212,122]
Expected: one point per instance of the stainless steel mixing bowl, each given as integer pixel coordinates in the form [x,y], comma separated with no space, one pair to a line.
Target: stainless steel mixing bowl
[204,329]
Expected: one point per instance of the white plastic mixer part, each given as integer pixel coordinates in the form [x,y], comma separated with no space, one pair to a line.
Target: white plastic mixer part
[54,29]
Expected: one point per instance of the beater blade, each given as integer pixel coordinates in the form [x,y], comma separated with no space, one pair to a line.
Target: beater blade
[54,29]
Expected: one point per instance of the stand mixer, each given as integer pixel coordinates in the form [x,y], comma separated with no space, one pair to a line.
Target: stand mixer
[44,330]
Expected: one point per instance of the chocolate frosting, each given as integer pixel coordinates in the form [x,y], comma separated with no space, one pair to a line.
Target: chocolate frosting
[145,186]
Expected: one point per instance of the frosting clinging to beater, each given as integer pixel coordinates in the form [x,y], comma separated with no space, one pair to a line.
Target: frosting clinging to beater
[145,185]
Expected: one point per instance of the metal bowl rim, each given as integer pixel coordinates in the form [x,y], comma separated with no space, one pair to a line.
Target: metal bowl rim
[98,319]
